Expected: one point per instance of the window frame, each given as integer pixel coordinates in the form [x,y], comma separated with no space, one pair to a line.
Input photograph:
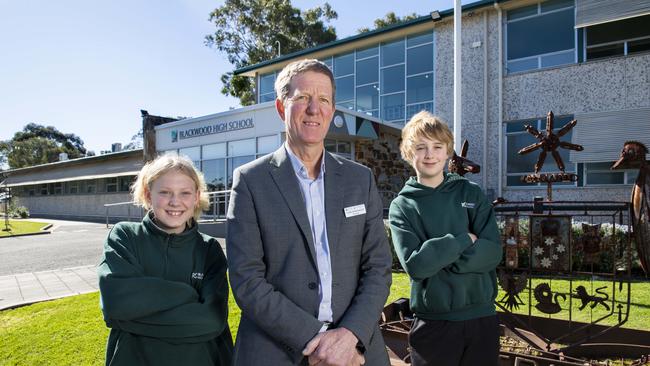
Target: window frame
[111,185]
[625,43]
[540,57]
[626,175]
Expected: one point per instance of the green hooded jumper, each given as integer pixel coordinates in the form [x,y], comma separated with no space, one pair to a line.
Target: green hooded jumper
[164,296]
[451,277]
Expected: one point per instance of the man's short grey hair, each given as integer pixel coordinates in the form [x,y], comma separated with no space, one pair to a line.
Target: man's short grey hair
[283,81]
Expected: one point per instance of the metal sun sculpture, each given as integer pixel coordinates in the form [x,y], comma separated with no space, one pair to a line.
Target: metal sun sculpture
[549,141]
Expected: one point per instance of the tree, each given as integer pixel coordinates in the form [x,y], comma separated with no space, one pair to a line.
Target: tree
[37,144]
[388,19]
[249,32]
[136,141]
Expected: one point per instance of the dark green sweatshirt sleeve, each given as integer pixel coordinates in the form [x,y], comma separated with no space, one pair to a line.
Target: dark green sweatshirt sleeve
[192,322]
[125,292]
[486,253]
[424,259]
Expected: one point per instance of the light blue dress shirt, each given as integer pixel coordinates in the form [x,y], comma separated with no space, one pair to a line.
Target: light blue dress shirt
[313,194]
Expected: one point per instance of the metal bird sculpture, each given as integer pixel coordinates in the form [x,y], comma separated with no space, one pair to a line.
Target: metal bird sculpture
[460,165]
[512,285]
[549,141]
[633,156]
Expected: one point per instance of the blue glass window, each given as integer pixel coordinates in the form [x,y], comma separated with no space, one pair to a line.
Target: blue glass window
[419,59]
[522,12]
[266,83]
[551,5]
[368,97]
[419,88]
[540,35]
[615,38]
[367,70]
[392,53]
[267,91]
[371,51]
[558,59]
[267,97]
[392,79]
[345,88]
[344,64]
[418,39]
[392,107]
[416,108]
[214,172]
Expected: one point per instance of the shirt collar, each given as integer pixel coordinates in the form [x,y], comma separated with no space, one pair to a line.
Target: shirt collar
[299,167]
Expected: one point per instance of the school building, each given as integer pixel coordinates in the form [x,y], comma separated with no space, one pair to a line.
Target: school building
[587,60]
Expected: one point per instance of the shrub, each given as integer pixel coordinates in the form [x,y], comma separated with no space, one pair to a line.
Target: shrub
[21,212]
[17,211]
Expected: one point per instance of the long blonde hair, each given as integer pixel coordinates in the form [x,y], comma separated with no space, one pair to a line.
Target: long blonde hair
[162,165]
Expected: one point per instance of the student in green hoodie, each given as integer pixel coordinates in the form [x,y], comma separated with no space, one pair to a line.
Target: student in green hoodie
[162,283]
[446,238]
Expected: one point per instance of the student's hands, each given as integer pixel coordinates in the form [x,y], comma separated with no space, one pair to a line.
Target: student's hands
[336,347]
[473,237]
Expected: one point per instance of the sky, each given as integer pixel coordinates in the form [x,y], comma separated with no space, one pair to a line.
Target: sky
[89,67]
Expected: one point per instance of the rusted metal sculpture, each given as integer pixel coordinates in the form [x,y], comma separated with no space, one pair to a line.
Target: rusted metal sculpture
[583,295]
[460,165]
[549,141]
[513,285]
[542,270]
[633,156]
[547,301]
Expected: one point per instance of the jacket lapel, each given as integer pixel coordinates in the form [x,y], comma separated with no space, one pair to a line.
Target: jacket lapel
[333,200]
[287,183]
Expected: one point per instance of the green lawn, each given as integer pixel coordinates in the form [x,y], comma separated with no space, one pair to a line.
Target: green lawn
[17,227]
[70,331]
[639,312]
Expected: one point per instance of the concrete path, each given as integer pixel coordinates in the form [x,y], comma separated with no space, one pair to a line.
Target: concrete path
[30,266]
[27,288]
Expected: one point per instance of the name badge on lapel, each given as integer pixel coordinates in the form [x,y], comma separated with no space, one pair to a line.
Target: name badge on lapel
[355,210]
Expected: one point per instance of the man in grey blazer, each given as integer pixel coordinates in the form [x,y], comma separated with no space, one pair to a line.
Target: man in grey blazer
[308,256]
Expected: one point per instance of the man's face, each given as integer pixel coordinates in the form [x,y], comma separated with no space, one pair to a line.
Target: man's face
[308,109]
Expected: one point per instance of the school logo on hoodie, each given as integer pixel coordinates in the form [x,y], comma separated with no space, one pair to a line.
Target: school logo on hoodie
[467,204]
[197,275]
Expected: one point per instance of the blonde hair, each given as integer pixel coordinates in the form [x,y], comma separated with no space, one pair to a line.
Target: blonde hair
[161,166]
[425,125]
[283,81]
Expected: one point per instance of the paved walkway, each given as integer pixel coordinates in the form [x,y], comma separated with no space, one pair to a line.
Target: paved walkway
[26,288]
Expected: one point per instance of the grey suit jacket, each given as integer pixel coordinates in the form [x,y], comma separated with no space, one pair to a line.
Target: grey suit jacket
[272,265]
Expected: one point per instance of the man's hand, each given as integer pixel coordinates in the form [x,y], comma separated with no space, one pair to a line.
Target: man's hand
[472,236]
[336,347]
